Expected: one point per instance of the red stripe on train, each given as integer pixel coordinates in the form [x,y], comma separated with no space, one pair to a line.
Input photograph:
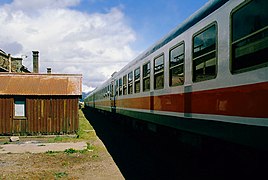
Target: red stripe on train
[245,101]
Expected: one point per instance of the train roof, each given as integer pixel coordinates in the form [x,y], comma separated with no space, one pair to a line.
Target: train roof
[200,14]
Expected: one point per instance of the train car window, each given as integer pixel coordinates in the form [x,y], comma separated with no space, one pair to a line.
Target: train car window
[104,93]
[146,77]
[130,82]
[250,37]
[159,72]
[125,85]
[176,65]
[120,86]
[137,83]
[112,90]
[204,54]
[116,87]
[108,91]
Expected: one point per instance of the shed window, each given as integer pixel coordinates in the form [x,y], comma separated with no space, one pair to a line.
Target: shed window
[130,82]
[146,77]
[204,55]
[176,65]
[19,107]
[159,72]
[137,80]
[250,37]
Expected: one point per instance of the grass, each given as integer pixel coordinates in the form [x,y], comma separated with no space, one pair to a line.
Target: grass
[72,151]
[62,139]
[60,175]
[51,152]
[85,131]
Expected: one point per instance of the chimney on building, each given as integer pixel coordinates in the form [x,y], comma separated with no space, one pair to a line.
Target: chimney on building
[35,62]
[9,63]
[49,70]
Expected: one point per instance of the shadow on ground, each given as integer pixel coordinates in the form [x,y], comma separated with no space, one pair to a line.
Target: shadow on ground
[141,155]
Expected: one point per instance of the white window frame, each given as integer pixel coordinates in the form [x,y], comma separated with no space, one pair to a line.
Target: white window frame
[19,107]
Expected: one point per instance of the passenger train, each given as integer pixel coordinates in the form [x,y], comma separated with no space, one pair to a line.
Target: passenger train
[208,76]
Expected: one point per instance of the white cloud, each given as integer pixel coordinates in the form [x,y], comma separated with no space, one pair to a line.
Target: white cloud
[32,5]
[87,89]
[69,41]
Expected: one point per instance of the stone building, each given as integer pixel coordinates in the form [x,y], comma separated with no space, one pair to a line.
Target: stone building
[16,63]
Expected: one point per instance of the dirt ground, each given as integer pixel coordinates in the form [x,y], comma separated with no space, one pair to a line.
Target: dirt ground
[94,162]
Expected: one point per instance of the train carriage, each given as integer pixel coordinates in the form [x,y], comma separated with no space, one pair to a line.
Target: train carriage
[208,76]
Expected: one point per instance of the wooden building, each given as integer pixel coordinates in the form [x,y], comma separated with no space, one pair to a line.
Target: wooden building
[33,104]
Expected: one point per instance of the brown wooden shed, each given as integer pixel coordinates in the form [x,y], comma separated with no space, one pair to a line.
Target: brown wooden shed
[39,103]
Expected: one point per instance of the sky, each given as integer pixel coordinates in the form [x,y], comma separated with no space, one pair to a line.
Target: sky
[90,37]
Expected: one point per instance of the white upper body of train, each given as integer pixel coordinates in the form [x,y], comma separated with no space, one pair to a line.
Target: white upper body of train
[211,67]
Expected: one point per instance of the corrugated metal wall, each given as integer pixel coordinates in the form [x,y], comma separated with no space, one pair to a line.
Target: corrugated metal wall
[45,115]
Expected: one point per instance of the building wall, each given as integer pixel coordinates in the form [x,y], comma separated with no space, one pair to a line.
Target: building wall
[6,115]
[44,115]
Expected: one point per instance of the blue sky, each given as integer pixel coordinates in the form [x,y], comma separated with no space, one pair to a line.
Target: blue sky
[89,37]
[151,19]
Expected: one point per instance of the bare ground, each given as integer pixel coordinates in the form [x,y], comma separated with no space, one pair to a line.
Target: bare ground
[97,164]
[93,163]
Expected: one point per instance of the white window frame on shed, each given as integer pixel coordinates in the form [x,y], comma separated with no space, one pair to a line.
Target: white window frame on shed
[19,107]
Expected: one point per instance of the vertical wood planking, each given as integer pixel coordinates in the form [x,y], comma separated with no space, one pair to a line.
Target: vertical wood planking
[45,115]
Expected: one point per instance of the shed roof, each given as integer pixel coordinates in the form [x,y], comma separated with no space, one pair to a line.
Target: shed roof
[40,84]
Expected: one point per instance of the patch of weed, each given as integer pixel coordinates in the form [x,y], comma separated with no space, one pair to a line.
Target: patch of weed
[51,152]
[95,156]
[61,139]
[60,175]
[58,138]
[70,151]
[90,147]
[65,164]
